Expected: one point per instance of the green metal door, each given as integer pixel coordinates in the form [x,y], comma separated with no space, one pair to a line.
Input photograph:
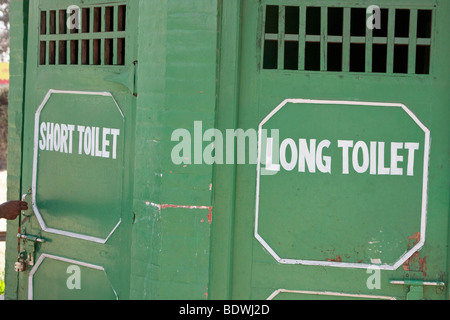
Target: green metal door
[77,157]
[349,195]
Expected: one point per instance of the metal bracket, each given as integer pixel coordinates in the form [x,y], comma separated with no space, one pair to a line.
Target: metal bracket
[126,78]
[416,287]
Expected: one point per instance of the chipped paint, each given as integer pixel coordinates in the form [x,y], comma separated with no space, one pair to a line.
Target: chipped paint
[338,259]
[375,261]
[415,262]
[165,206]
[415,237]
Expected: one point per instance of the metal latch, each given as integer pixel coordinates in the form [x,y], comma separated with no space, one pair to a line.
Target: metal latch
[24,261]
[30,238]
[26,256]
[416,287]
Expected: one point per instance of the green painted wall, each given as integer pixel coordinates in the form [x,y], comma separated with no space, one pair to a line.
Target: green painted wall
[192,226]
[176,86]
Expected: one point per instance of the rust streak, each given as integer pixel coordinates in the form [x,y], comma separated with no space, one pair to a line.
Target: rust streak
[416,263]
[338,259]
[415,237]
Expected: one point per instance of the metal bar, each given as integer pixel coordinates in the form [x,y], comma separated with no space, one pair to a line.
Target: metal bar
[369,49]
[2,236]
[302,38]
[355,39]
[87,36]
[47,22]
[281,36]
[336,39]
[80,53]
[423,42]
[91,33]
[418,283]
[323,38]
[312,38]
[412,42]
[57,31]
[115,29]
[346,40]
[391,41]
[271,36]
[102,29]
[291,37]
[47,52]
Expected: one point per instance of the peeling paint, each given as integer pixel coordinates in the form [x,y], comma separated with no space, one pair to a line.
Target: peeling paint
[415,237]
[375,261]
[416,263]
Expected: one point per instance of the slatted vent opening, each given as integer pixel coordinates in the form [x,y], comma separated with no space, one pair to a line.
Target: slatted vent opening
[98,40]
[338,40]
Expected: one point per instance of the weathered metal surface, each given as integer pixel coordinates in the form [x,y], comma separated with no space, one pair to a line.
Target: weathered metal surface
[301,244]
[115,209]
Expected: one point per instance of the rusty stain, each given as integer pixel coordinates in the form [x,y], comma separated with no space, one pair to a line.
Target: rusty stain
[416,263]
[210,215]
[338,259]
[415,237]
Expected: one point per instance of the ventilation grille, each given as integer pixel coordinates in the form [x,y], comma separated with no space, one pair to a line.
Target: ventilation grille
[338,39]
[98,40]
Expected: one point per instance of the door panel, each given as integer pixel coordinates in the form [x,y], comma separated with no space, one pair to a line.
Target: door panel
[78,142]
[319,74]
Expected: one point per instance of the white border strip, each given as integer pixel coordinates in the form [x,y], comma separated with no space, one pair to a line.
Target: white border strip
[35,164]
[328,293]
[405,255]
[49,256]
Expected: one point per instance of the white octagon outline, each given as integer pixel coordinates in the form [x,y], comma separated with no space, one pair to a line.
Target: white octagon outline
[39,217]
[407,254]
[53,257]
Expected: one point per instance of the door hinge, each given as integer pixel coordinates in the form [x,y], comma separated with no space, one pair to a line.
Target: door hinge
[128,78]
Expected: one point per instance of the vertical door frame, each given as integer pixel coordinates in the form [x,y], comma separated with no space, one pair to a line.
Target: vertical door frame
[16,106]
[222,240]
